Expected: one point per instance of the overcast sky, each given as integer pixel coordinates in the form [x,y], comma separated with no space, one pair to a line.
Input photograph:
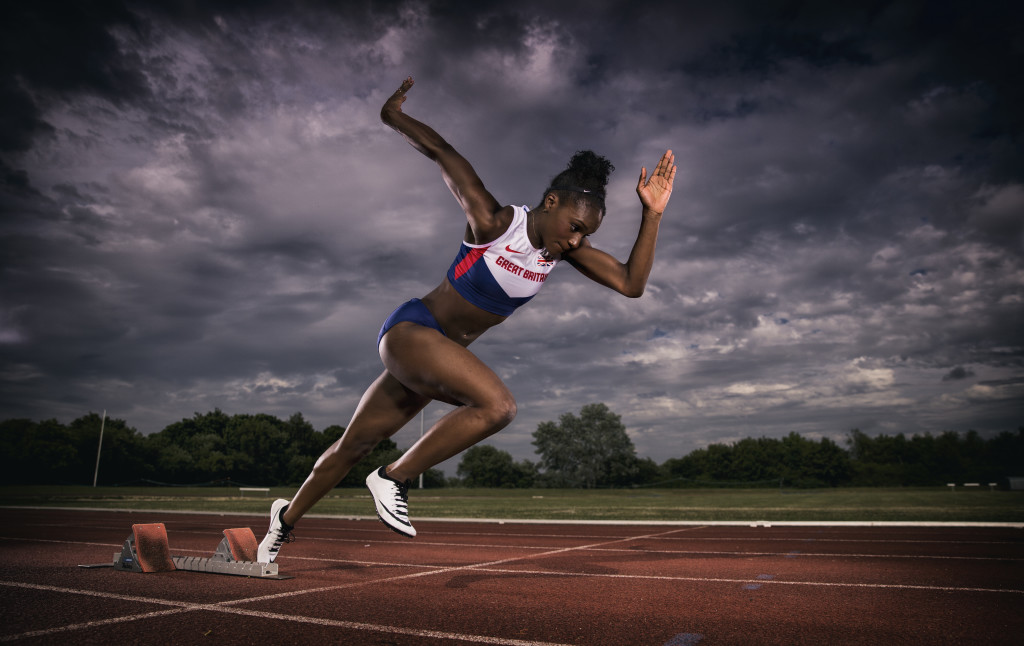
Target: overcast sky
[201,209]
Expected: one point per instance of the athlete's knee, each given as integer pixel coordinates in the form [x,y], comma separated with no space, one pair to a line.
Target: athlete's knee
[501,410]
[346,452]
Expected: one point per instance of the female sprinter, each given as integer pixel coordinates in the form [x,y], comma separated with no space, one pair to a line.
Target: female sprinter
[506,255]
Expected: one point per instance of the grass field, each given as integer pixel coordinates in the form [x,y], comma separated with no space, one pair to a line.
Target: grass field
[852,504]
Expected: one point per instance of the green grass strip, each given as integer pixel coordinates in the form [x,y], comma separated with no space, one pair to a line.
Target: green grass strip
[844,504]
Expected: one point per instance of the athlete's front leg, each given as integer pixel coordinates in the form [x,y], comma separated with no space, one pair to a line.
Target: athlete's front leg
[385,408]
[436,367]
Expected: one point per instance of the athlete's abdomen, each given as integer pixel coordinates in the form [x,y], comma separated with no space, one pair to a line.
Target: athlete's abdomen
[462,321]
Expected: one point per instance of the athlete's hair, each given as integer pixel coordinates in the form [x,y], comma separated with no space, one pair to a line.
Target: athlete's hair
[583,181]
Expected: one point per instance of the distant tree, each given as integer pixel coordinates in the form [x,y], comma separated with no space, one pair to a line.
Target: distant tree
[487,466]
[182,449]
[683,470]
[50,452]
[301,463]
[37,452]
[806,463]
[251,449]
[928,460]
[125,455]
[382,455]
[433,479]
[586,451]
[794,460]
[893,460]
[1005,455]
[647,472]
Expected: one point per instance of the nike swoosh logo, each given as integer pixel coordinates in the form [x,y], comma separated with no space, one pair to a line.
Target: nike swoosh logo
[511,250]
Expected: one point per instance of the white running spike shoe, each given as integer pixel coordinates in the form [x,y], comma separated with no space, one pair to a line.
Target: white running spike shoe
[392,500]
[278,533]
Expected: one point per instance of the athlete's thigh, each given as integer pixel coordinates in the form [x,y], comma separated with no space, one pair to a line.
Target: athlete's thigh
[434,366]
[386,406]
[387,403]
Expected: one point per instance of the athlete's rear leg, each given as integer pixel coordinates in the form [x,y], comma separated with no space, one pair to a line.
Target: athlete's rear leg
[436,367]
[385,408]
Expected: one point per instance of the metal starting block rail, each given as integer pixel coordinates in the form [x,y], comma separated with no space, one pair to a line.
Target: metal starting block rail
[147,550]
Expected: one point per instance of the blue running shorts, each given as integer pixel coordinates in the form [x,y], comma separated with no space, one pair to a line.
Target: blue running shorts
[413,311]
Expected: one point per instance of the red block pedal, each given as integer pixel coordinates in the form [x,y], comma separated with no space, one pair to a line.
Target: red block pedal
[151,548]
[242,543]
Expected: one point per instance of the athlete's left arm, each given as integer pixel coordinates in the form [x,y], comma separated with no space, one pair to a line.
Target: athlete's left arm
[630,278]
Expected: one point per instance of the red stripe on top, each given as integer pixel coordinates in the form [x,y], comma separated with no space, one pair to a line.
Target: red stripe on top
[475,253]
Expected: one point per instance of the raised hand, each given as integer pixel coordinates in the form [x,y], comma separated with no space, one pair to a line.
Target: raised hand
[655,192]
[396,100]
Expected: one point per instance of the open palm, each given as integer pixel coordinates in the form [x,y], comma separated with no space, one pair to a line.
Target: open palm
[655,192]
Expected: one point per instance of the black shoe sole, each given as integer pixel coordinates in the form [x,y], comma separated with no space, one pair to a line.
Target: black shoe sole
[397,531]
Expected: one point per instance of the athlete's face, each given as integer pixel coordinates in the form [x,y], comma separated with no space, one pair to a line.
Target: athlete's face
[567,225]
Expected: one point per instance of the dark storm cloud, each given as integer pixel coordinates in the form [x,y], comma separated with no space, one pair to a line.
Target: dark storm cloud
[201,208]
[959,372]
[53,48]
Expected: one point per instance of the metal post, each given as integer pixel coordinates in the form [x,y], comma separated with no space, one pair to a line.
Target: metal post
[99,448]
[422,411]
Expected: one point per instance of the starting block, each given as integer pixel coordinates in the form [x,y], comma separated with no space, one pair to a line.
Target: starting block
[147,550]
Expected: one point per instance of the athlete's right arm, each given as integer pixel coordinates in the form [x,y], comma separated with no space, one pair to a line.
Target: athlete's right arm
[485,216]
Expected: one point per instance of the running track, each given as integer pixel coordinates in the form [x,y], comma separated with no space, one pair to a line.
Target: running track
[517,584]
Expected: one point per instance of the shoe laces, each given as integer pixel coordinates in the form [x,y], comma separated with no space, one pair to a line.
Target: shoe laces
[283,536]
[402,495]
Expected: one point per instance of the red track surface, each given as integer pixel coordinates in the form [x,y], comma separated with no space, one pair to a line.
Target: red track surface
[358,583]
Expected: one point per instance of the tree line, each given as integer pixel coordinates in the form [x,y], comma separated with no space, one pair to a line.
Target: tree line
[587,450]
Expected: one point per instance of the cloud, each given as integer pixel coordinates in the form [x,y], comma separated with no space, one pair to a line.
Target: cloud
[202,209]
[957,373]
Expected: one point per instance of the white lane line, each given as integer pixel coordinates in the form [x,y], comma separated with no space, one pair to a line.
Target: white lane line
[909,557]
[395,630]
[697,579]
[226,606]
[809,539]
[481,568]
[444,570]
[91,624]
[489,566]
[909,524]
[384,531]
[183,606]
[53,540]
[550,547]
[941,557]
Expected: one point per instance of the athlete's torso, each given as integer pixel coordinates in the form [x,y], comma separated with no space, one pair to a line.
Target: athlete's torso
[464,321]
[504,274]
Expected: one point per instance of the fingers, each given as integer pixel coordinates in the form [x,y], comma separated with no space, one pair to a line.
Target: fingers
[666,164]
[404,87]
[666,168]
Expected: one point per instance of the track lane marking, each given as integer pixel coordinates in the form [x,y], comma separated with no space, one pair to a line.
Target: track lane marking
[185,606]
[539,547]
[696,579]
[227,606]
[43,632]
[442,570]
[489,566]
[817,554]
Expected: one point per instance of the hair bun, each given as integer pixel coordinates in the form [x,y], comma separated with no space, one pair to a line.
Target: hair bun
[591,169]
[584,179]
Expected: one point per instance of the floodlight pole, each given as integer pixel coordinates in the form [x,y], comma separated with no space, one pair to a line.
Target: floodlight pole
[421,436]
[99,448]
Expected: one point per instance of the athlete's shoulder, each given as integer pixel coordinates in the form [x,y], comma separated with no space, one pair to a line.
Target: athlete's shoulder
[486,232]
